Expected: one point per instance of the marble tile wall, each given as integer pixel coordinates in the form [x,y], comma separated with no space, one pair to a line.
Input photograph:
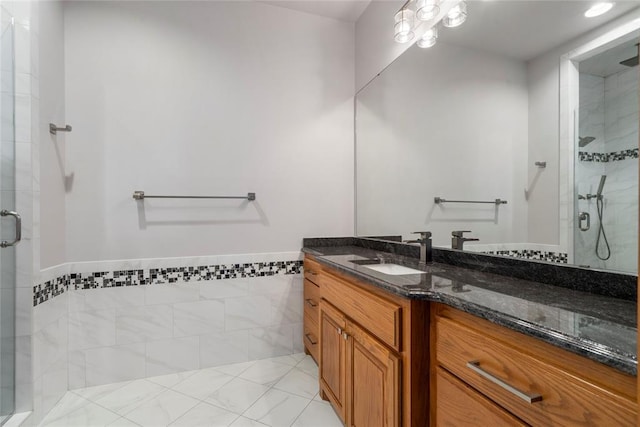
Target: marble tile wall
[532,251]
[609,111]
[119,333]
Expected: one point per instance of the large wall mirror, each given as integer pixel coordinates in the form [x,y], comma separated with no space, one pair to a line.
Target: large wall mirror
[529,102]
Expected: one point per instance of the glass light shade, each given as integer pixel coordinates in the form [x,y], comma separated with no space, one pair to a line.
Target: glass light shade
[428,39]
[598,9]
[427,9]
[456,16]
[403,29]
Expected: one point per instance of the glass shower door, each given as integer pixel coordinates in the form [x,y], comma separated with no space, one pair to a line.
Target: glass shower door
[9,220]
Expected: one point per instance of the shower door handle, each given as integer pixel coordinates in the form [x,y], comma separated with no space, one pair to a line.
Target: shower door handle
[4,243]
[584,216]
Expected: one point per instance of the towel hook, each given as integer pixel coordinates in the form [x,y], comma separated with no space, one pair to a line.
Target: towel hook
[53,129]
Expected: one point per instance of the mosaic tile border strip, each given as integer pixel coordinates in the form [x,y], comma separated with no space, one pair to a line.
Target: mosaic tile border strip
[558,257]
[614,156]
[119,278]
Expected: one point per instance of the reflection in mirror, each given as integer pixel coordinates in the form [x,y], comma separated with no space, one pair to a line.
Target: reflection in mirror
[606,169]
[477,118]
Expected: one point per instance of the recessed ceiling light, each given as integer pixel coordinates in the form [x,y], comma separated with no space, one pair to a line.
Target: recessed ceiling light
[599,9]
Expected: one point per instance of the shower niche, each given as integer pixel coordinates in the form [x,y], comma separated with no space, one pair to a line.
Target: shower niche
[606,160]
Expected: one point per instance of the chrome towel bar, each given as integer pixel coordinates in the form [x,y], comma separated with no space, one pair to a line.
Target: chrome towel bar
[440,200]
[139,195]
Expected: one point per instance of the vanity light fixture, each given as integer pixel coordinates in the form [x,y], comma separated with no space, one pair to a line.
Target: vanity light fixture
[429,38]
[599,9]
[456,16]
[409,19]
[403,29]
[427,9]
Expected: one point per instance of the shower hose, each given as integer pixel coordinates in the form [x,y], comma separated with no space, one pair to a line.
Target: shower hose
[601,233]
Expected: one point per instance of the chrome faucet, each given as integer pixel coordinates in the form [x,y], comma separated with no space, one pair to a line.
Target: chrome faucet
[425,245]
[457,240]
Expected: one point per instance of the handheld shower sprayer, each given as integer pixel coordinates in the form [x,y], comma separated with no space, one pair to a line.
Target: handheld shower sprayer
[603,178]
[601,233]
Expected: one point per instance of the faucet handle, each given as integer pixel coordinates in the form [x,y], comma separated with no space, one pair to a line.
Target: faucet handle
[459,233]
[423,234]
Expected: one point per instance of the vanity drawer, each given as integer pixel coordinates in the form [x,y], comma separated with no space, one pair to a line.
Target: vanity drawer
[379,316]
[557,396]
[310,337]
[457,405]
[311,269]
[311,300]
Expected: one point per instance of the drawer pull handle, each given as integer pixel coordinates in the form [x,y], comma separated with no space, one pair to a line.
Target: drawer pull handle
[311,272]
[530,398]
[308,336]
[311,302]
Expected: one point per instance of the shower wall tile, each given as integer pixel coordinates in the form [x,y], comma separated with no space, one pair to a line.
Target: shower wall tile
[271,342]
[89,329]
[136,318]
[223,348]
[167,294]
[77,369]
[144,323]
[198,317]
[106,365]
[172,355]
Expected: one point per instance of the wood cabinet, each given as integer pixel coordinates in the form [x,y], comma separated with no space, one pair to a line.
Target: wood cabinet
[312,297]
[532,381]
[373,356]
[333,358]
[373,381]
[459,405]
[389,361]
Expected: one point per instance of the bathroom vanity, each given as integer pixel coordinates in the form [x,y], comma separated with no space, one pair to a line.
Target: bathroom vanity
[447,345]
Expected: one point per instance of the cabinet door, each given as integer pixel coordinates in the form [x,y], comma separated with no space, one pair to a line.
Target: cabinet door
[458,405]
[374,381]
[332,357]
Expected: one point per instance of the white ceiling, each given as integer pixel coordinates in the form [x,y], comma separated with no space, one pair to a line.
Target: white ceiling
[343,10]
[523,29]
[608,62]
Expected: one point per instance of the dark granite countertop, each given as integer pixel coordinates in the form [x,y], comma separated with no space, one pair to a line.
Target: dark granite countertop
[598,327]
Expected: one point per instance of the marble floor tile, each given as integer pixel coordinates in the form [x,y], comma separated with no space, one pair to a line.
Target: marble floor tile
[204,414]
[234,369]
[162,409]
[123,422]
[87,415]
[203,383]
[277,408]
[308,366]
[96,392]
[129,397]
[170,380]
[237,395]
[275,392]
[69,403]
[318,414]
[299,383]
[266,372]
[246,422]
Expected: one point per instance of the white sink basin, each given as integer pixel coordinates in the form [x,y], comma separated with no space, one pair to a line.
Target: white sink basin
[393,269]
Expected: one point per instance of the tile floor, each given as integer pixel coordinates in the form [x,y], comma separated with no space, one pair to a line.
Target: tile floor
[278,392]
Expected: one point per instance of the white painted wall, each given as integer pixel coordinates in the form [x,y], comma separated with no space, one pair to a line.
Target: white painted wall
[450,122]
[375,47]
[208,98]
[52,147]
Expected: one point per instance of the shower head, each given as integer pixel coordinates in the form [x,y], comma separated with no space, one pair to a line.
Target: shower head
[583,141]
[633,61]
[603,178]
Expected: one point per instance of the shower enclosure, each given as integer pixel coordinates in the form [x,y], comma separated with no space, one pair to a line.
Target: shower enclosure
[8,222]
[606,162]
